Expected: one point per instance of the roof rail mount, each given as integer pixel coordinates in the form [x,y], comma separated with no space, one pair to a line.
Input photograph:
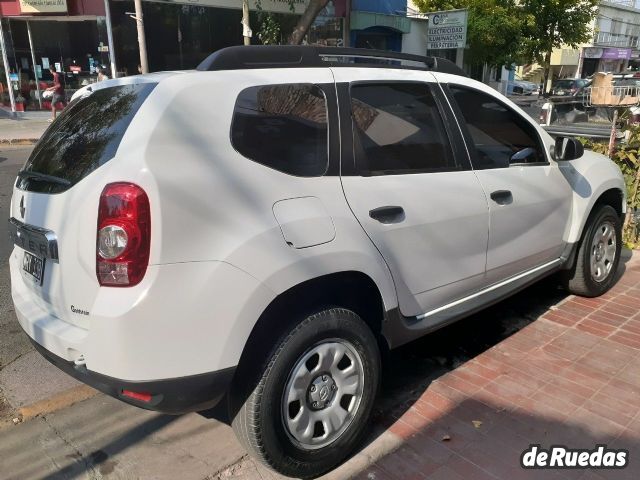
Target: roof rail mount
[310,56]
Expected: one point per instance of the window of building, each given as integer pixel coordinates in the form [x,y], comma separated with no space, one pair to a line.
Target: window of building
[283,127]
[501,137]
[397,129]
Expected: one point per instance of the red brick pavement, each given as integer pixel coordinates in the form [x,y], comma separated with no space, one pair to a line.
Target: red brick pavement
[570,378]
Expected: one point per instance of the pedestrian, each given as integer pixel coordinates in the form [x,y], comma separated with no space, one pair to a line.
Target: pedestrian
[102,75]
[58,92]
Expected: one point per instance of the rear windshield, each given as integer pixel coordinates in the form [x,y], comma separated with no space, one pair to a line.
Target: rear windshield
[82,139]
[563,84]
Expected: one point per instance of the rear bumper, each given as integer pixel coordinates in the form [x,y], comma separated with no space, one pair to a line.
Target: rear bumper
[172,396]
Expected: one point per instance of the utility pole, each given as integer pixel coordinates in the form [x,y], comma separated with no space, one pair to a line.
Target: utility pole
[246,29]
[5,60]
[346,25]
[112,51]
[142,43]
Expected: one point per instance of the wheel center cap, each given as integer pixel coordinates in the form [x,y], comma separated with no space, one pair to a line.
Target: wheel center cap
[321,391]
[599,251]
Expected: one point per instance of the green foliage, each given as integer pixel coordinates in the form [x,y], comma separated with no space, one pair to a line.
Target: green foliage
[269,33]
[550,24]
[627,156]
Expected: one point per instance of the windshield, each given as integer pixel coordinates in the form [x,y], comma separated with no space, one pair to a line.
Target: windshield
[84,137]
[563,84]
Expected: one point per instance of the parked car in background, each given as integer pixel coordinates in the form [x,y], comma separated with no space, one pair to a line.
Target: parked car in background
[568,86]
[523,87]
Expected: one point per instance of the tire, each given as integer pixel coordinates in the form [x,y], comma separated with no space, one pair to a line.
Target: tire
[597,259]
[267,405]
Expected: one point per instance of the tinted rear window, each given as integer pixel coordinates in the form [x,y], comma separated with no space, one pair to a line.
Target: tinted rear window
[563,84]
[283,127]
[84,137]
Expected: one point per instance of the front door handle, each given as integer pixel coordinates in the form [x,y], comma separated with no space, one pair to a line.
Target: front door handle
[502,197]
[388,214]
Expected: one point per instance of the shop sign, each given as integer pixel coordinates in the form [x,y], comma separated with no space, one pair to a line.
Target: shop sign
[280,6]
[43,6]
[592,52]
[617,53]
[447,30]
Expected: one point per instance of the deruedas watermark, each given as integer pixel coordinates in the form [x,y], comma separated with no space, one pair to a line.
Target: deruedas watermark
[559,456]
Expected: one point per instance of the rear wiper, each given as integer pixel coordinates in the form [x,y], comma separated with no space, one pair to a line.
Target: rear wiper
[44,177]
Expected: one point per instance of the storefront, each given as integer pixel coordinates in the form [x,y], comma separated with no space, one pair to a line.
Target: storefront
[601,59]
[181,33]
[379,24]
[70,35]
[74,37]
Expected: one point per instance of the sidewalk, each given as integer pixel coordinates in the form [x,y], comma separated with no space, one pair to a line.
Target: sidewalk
[570,378]
[25,128]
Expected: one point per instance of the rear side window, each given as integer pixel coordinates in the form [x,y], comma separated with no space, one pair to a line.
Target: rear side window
[283,127]
[397,129]
[84,137]
[501,137]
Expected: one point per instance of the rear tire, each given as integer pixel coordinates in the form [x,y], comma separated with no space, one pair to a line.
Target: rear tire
[305,408]
[598,255]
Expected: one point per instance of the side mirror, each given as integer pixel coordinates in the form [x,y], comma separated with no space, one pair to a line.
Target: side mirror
[568,148]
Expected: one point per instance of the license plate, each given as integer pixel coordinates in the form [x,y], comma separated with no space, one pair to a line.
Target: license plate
[33,266]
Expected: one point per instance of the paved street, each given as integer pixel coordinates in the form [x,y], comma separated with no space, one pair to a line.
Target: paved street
[462,403]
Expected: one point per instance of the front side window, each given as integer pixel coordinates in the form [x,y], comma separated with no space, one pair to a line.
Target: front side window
[397,129]
[501,137]
[283,127]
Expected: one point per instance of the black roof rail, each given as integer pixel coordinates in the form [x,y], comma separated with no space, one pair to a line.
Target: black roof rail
[309,56]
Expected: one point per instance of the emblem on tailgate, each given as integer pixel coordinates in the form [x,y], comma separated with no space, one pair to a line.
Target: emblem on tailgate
[79,311]
[22,209]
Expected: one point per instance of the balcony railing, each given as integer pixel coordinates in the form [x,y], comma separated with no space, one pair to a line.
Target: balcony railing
[619,40]
[624,3]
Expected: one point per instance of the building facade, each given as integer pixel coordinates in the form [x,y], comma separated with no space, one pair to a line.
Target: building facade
[70,35]
[80,36]
[379,24]
[615,45]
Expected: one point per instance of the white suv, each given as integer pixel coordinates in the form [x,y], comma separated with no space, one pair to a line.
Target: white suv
[261,228]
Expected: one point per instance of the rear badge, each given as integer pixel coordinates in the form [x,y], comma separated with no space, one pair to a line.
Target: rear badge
[79,311]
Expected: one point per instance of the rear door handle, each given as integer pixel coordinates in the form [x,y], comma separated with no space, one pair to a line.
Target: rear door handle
[387,214]
[502,197]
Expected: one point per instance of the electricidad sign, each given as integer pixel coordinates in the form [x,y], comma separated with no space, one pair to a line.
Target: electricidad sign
[447,29]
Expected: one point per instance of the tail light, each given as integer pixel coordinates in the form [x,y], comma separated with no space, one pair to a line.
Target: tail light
[123,236]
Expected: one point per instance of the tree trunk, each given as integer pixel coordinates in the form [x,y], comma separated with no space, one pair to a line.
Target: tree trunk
[547,71]
[307,18]
[245,22]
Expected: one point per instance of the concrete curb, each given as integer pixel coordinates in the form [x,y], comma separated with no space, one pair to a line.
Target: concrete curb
[18,141]
[57,402]
[52,404]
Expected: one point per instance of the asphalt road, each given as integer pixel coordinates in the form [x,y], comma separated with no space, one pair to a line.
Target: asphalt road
[13,343]
[408,370]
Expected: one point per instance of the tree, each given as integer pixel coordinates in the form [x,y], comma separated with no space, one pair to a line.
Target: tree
[270,28]
[553,23]
[494,30]
[305,21]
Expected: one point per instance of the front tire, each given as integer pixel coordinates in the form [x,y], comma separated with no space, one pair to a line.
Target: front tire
[598,256]
[306,408]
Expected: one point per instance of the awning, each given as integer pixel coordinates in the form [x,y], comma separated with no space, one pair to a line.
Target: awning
[362,20]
